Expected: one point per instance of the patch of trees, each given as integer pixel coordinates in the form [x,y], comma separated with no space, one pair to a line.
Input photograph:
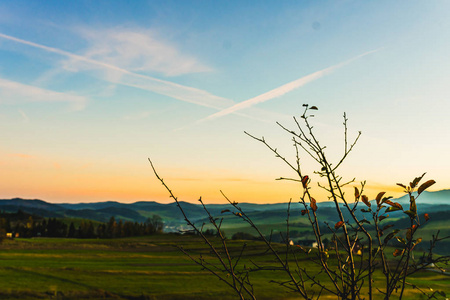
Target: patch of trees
[25,225]
[243,236]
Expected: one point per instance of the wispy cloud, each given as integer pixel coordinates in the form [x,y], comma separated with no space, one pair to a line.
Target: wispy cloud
[138,50]
[282,90]
[12,92]
[122,76]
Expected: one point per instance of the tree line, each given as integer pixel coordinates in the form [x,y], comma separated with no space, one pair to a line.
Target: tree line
[21,224]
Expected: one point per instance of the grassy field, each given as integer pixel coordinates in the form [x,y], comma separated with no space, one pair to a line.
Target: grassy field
[136,268]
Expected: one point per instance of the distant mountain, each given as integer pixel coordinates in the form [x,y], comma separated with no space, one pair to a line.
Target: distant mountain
[440,197]
[35,204]
[270,218]
[428,202]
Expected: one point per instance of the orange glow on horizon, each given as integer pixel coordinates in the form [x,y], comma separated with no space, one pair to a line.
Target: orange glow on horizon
[60,181]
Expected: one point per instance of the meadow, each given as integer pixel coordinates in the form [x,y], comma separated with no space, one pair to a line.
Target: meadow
[150,267]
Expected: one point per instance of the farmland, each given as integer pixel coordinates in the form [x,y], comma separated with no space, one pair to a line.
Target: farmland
[149,267]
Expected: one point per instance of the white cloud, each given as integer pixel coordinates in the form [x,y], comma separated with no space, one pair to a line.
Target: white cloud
[118,75]
[136,50]
[12,92]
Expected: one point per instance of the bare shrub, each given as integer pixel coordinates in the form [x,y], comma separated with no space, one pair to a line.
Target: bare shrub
[359,243]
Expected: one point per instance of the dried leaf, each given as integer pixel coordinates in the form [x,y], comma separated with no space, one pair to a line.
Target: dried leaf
[313,204]
[381,218]
[427,217]
[398,205]
[313,107]
[379,197]
[365,200]
[401,240]
[389,237]
[387,201]
[416,181]
[397,252]
[304,211]
[391,209]
[305,181]
[410,213]
[410,232]
[425,185]
[338,225]
[356,193]
[224,211]
[402,185]
[393,204]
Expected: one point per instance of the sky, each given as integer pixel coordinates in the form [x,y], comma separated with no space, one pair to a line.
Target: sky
[89,90]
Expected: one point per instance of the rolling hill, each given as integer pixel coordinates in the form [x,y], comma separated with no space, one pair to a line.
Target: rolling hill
[436,203]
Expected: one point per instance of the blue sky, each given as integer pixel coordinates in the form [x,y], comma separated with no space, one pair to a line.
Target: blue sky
[90,89]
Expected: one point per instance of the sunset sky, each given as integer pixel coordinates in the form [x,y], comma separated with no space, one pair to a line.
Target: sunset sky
[90,89]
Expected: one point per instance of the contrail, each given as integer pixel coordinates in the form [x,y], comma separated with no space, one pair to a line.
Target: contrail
[284,89]
[173,90]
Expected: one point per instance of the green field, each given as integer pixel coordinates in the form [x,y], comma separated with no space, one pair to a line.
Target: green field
[137,268]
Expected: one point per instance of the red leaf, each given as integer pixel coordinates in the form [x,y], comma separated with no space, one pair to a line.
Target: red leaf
[305,181]
[427,217]
[410,232]
[394,204]
[398,205]
[338,225]
[379,197]
[365,200]
[381,218]
[313,204]
[397,252]
[356,193]
[389,202]
[304,211]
